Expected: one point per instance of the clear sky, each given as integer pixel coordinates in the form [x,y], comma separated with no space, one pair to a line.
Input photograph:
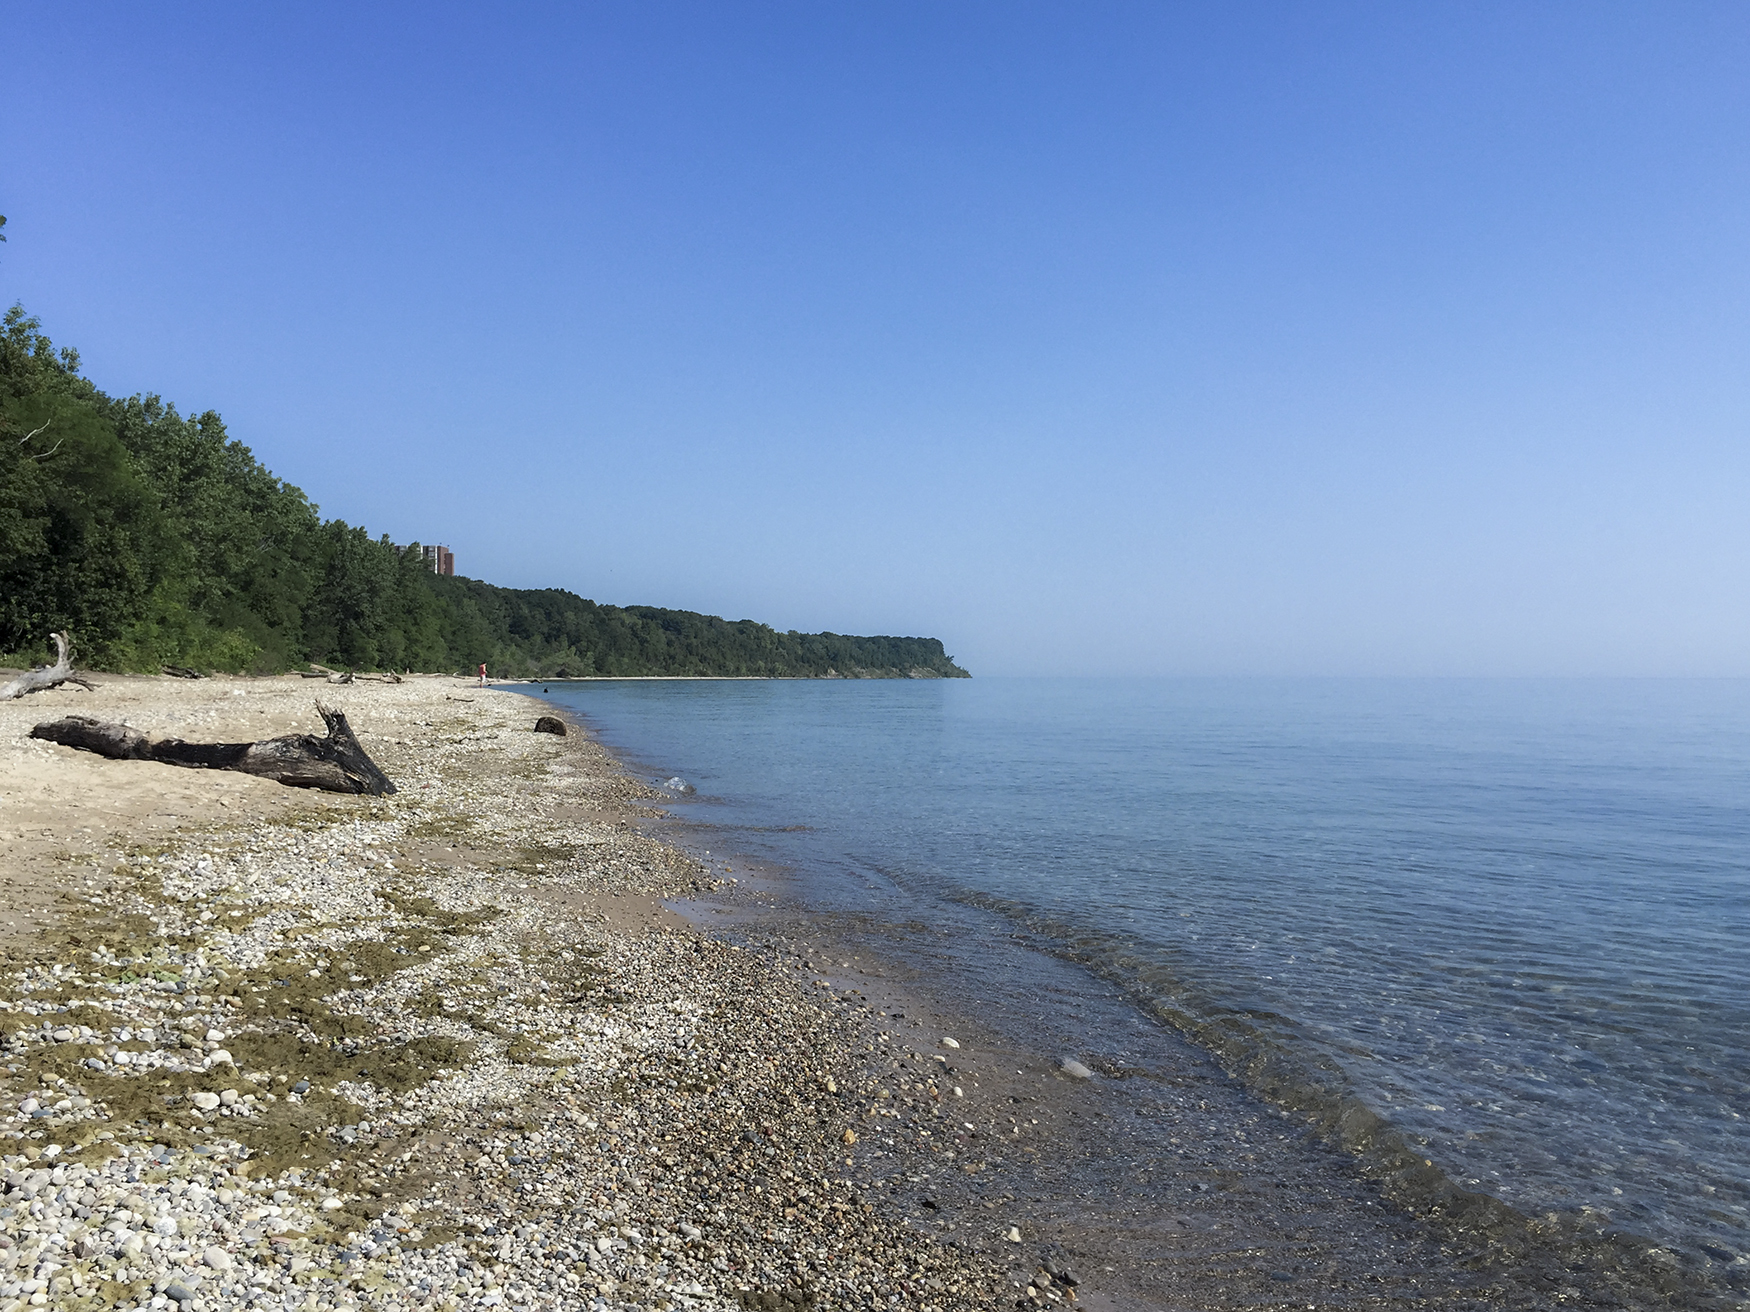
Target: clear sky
[1092,338]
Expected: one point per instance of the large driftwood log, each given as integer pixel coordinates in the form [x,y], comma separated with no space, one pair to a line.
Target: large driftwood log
[49,676]
[302,760]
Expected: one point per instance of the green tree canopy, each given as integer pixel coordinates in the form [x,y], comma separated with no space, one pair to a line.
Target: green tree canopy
[159,539]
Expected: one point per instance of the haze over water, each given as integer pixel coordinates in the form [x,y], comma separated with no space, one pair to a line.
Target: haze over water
[1512,916]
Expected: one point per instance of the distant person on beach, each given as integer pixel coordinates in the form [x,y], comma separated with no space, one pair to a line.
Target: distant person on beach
[482,674]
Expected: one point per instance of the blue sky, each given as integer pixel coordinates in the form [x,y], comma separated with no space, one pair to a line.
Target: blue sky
[1271,338]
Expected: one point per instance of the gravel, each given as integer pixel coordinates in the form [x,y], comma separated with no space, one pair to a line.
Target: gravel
[439,1050]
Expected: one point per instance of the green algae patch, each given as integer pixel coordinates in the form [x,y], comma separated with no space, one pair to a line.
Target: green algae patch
[432,1236]
[429,1003]
[89,1014]
[127,935]
[232,917]
[525,1051]
[294,1134]
[396,1067]
[418,906]
[538,858]
[366,962]
[47,1061]
[437,828]
[278,1135]
[157,1095]
[486,1025]
[282,989]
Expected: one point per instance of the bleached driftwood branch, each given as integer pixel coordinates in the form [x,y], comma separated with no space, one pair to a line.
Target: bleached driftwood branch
[335,676]
[48,676]
[335,763]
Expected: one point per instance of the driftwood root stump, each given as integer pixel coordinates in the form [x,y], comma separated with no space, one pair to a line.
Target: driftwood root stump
[49,676]
[335,763]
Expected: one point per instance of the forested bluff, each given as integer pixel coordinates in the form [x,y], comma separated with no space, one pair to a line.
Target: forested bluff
[158,540]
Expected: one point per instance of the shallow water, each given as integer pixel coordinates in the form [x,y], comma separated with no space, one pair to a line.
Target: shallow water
[1510,916]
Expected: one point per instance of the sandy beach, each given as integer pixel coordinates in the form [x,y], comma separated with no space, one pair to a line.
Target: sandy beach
[492,1041]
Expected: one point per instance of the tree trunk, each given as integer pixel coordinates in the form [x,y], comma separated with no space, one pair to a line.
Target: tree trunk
[335,763]
[50,676]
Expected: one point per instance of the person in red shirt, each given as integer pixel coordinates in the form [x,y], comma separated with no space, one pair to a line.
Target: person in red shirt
[482,674]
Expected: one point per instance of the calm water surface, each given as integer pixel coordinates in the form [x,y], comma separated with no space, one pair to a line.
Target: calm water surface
[1513,917]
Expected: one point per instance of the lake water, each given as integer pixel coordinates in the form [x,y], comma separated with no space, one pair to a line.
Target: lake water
[1511,917]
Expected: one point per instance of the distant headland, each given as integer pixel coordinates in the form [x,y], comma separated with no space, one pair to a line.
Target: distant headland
[159,541]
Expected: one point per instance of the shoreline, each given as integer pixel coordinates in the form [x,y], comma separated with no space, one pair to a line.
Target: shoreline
[532,1085]
[1350,1168]
[714,678]
[1158,1179]
[501,1010]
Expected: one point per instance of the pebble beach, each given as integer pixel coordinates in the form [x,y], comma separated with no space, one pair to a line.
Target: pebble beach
[273,1048]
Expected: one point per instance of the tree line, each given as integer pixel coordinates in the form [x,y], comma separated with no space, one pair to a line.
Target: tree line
[158,539]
